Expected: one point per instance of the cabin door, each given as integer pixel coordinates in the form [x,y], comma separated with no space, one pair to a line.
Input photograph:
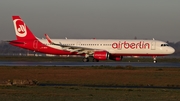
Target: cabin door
[35,44]
[78,43]
[153,45]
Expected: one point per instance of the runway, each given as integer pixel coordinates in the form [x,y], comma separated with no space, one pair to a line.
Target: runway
[134,64]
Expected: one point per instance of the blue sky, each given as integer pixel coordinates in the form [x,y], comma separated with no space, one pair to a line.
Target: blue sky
[103,19]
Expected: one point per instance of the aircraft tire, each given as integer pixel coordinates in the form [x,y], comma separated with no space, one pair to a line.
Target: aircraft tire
[85,59]
[95,60]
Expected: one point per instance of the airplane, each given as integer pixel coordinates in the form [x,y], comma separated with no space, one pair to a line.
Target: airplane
[97,49]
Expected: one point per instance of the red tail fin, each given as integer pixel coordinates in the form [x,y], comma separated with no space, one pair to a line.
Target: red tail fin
[21,30]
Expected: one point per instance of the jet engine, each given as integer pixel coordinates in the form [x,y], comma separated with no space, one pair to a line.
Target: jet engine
[101,55]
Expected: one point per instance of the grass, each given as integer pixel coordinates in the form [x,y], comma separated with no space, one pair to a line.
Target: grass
[95,76]
[86,94]
[80,76]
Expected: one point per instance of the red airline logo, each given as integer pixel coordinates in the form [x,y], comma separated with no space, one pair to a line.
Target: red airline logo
[20,26]
[131,45]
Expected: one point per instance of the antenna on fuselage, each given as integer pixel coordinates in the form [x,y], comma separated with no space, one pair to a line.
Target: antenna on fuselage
[135,37]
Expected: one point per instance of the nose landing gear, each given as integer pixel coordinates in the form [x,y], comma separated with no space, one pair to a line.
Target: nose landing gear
[154,59]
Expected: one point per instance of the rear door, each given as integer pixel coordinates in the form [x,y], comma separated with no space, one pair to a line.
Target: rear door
[35,44]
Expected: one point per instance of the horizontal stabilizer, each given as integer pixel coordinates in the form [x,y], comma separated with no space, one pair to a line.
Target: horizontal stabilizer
[16,42]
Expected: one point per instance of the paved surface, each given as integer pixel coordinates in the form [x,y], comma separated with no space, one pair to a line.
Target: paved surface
[134,64]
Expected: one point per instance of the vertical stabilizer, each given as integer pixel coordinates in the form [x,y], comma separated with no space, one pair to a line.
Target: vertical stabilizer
[21,30]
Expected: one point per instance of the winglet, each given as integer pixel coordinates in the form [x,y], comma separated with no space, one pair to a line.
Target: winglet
[48,39]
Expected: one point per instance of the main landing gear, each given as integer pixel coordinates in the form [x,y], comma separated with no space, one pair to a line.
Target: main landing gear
[86,59]
[95,60]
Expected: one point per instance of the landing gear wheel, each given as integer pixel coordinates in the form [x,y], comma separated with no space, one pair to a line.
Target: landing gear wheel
[85,59]
[95,60]
[154,58]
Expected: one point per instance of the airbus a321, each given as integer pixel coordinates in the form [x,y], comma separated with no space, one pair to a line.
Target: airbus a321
[97,49]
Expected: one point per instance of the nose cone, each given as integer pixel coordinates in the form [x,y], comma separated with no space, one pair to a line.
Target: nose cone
[171,50]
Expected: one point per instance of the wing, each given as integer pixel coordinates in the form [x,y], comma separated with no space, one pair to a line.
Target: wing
[79,50]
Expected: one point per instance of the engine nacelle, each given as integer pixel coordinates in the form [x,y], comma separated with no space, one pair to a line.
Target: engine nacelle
[116,58]
[101,55]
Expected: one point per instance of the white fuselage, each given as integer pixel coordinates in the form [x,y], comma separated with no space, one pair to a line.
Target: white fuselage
[123,47]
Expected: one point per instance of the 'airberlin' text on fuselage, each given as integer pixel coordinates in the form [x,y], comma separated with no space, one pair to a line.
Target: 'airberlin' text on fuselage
[131,45]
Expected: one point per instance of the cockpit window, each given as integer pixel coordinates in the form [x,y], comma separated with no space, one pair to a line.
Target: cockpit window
[164,45]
